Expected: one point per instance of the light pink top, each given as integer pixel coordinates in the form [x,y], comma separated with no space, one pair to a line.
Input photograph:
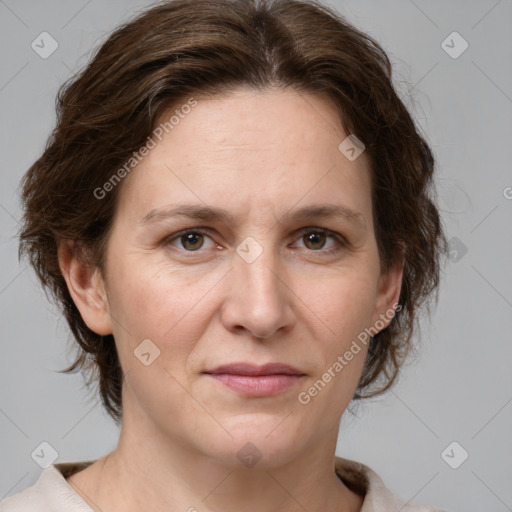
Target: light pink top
[52,493]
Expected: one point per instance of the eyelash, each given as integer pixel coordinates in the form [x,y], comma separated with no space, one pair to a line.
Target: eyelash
[342,242]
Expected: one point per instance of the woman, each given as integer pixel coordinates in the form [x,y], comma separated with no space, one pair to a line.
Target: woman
[235,214]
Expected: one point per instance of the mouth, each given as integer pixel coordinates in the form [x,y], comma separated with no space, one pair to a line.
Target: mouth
[256,381]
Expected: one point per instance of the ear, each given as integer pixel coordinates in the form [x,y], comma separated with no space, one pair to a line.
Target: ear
[86,287]
[388,294]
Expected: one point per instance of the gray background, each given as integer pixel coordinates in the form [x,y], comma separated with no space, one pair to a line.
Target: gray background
[461,387]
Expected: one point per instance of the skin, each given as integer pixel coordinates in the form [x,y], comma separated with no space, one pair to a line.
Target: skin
[261,156]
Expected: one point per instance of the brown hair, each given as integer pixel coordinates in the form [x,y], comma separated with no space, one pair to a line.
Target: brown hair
[185,48]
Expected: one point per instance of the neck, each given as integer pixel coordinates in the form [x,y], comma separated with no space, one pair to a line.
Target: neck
[148,470]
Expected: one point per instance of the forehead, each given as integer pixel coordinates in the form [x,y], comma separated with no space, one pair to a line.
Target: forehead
[265,148]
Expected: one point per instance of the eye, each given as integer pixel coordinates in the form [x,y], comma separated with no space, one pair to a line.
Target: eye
[190,240]
[315,238]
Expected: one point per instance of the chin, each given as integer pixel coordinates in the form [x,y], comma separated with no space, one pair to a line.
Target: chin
[259,443]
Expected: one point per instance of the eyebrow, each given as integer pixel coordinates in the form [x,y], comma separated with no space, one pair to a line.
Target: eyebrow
[209,213]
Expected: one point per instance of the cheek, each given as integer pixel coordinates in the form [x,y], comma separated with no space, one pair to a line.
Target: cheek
[157,303]
[152,305]
[142,295]
[344,302]
[345,307]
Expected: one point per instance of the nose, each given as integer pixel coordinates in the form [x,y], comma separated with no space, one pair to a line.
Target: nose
[259,299]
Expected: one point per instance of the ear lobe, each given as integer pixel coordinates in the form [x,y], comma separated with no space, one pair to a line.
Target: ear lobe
[388,295]
[86,287]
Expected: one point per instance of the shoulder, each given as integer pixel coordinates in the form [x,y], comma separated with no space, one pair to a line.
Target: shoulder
[50,493]
[377,497]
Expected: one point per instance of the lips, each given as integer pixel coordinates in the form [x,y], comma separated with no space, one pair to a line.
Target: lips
[256,381]
[255,370]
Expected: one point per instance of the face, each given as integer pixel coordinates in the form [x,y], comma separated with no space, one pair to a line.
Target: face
[272,279]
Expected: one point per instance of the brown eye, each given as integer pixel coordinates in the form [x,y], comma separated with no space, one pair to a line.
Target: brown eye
[322,241]
[314,240]
[192,241]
